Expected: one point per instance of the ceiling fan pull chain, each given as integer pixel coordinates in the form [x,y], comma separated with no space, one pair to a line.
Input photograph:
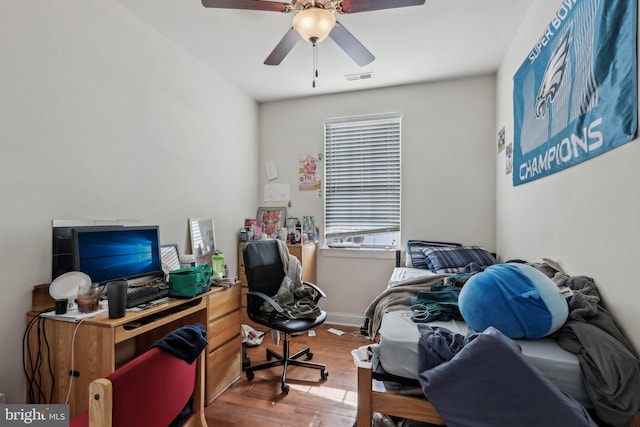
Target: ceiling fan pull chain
[315,64]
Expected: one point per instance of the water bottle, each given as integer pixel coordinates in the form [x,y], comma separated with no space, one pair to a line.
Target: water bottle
[217,262]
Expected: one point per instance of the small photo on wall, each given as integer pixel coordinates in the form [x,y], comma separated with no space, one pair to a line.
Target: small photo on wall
[509,158]
[501,140]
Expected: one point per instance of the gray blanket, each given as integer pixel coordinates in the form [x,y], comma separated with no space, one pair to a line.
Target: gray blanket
[482,380]
[610,366]
[398,297]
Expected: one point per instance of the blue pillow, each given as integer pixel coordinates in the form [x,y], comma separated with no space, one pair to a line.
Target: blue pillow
[455,259]
[517,299]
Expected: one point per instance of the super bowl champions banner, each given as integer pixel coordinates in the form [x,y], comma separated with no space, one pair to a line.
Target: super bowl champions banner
[575,95]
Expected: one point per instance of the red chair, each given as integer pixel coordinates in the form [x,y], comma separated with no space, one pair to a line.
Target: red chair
[151,390]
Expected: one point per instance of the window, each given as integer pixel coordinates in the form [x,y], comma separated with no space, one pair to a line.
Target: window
[362,181]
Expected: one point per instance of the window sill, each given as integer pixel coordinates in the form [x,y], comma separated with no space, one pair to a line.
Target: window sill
[358,253]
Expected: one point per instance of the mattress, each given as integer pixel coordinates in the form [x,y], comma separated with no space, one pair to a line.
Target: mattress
[401,274]
[398,353]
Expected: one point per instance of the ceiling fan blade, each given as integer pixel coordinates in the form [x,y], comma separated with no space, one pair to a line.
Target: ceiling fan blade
[353,6]
[351,45]
[269,6]
[283,48]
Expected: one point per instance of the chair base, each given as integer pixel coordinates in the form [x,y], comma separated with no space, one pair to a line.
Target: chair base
[285,360]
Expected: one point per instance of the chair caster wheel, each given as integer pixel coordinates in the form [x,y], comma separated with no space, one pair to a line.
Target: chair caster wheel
[250,375]
[285,389]
[324,374]
[309,356]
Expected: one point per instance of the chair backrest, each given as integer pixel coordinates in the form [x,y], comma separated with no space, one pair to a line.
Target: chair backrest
[151,390]
[264,270]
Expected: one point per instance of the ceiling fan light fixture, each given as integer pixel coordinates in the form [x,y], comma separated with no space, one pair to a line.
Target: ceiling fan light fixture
[314,24]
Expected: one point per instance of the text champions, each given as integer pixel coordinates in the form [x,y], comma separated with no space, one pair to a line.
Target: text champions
[569,150]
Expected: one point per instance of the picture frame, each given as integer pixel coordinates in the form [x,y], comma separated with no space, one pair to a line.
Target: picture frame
[203,239]
[170,257]
[271,219]
[291,223]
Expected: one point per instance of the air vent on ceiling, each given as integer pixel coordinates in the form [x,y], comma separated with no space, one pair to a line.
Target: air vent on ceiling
[360,76]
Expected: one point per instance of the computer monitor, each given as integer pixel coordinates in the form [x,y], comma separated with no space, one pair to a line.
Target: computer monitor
[62,248]
[107,254]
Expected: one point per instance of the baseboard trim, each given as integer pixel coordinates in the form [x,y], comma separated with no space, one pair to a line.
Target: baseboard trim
[345,319]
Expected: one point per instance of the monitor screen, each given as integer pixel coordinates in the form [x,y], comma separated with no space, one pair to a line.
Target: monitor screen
[62,248]
[117,253]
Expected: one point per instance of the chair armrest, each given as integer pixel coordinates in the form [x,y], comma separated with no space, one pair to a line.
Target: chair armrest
[268,299]
[319,292]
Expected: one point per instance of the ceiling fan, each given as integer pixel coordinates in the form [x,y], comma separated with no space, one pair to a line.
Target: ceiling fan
[314,21]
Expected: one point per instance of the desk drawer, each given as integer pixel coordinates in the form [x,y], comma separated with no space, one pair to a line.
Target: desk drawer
[223,329]
[224,367]
[224,302]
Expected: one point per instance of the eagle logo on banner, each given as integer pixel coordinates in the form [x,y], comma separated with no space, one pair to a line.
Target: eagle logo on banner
[575,95]
[553,76]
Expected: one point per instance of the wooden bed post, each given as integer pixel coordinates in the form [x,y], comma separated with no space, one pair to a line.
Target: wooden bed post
[364,397]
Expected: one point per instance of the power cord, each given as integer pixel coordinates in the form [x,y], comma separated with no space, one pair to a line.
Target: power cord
[33,368]
[73,340]
[27,363]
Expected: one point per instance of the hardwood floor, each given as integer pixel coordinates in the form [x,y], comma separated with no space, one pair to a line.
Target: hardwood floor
[311,400]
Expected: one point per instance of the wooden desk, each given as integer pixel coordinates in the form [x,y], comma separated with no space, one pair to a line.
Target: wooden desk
[100,345]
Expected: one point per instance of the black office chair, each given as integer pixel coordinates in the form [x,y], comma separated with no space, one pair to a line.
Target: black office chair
[264,270]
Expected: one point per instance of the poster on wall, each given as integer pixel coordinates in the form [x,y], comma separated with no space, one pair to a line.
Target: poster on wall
[508,165]
[309,173]
[575,95]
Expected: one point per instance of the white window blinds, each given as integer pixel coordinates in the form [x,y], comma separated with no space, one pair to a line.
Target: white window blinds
[362,175]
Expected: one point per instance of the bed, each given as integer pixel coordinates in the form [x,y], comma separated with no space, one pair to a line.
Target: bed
[393,360]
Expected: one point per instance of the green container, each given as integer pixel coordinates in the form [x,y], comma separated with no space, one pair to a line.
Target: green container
[190,281]
[217,261]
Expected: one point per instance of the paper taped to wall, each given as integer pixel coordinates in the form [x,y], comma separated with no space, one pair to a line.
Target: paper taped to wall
[277,192]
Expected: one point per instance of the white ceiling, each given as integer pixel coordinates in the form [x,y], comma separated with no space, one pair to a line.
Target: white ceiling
[441,39]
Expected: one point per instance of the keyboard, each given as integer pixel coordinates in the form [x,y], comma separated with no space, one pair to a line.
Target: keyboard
[146,294]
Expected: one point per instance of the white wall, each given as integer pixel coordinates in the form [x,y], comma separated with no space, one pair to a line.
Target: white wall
[102,118]
[586,217]
[448,138]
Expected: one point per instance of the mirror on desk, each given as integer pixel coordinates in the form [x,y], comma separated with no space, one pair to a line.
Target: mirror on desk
[202,239]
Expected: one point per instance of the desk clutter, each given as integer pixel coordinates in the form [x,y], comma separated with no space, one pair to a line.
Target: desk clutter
[271,224]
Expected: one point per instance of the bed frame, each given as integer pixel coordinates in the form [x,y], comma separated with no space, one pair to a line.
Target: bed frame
[370,401]
[411,407]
